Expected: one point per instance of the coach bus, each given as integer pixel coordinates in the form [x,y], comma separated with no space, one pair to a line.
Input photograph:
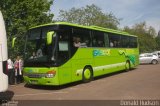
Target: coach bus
[61,53]
[3,56]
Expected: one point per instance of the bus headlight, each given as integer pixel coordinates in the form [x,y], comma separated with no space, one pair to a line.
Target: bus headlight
[50,74]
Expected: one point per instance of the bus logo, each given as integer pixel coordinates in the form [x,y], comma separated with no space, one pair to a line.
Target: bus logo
[101,52]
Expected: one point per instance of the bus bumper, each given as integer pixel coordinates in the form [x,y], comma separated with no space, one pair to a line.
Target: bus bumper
[41,81]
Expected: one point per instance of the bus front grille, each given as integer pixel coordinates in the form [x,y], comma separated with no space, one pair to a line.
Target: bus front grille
[36,75]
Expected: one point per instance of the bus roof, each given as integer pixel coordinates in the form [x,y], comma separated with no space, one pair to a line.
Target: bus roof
[86,27]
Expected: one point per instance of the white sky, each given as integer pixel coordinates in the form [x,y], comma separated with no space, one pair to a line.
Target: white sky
[130,11]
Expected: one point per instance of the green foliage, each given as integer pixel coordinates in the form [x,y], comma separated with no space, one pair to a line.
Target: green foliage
[20,15]
[89,15]
[158,41]
[146,35]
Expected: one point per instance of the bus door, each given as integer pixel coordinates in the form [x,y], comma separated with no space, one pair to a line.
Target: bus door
[64,69]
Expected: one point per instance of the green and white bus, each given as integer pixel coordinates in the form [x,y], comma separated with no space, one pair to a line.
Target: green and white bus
[61,53]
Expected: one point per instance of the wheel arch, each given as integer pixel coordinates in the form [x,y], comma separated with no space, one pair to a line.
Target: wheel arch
[128,61]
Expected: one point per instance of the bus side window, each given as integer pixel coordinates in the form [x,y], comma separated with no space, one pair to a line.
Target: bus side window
[111,44]
[98,39]
[124,41]
[94,43]
[133,42]
[76,42]
[106,40]
[100,43]
[114,40]
[81,37]
[87,41]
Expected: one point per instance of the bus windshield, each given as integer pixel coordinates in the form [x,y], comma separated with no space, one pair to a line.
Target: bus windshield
[37,52]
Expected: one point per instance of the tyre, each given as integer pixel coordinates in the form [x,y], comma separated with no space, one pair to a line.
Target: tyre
[154,62]
[127,66]
[87,75]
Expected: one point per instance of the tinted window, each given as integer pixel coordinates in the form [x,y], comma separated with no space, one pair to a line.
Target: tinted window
[133,42]
[125,41]
[106,41]
[122,41]
[98,39]
[81,37]
[34,34]
[114,40]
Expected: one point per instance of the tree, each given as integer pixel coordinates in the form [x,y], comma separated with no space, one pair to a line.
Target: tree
[158,40]
[89,15]
[146,35]
[20,15]
[159,33]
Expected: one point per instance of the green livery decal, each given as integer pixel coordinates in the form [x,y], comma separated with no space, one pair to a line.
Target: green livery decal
[98,52]
[131,57]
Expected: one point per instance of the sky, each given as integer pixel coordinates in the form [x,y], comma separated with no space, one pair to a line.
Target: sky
[130,11]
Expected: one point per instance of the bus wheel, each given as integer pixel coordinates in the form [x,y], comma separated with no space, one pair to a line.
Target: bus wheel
[127,66]
[87,75]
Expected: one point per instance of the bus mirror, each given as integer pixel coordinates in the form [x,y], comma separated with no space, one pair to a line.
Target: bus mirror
[13,42]
[50,35]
